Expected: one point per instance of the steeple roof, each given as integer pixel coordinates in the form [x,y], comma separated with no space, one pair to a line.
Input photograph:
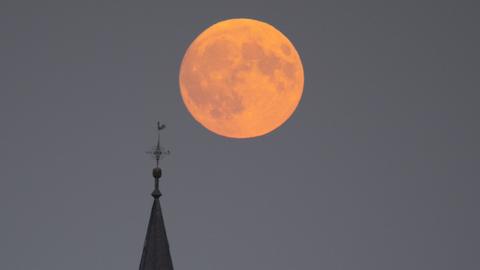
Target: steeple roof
[156,251]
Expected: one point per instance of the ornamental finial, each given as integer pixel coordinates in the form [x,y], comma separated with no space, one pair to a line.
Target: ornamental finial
[158,152]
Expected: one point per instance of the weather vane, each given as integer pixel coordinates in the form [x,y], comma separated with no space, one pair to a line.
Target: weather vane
[158,152]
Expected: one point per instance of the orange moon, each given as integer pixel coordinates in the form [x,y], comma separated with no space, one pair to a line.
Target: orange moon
[241,78]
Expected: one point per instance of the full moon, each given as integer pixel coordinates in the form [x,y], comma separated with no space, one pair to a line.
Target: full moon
[241,78]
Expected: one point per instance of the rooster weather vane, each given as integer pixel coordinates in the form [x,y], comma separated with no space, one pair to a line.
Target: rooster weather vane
[158,152]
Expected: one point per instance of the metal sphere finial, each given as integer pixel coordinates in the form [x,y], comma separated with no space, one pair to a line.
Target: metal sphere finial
[157,173]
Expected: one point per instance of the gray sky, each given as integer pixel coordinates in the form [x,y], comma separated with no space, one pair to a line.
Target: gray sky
[377,169]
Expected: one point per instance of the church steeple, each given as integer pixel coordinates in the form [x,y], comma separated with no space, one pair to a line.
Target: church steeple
[156,251]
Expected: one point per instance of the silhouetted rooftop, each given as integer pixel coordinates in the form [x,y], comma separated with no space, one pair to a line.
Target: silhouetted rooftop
[156,251]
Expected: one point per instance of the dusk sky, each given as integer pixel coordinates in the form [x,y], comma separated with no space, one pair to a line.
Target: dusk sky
[378,167]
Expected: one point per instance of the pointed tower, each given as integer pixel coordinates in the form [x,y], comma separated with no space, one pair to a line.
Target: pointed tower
[156,251]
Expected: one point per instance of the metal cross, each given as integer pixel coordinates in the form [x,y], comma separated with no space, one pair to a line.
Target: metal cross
[158,152]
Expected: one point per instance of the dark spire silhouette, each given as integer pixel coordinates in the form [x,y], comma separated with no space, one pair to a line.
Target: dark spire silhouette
[156,251]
